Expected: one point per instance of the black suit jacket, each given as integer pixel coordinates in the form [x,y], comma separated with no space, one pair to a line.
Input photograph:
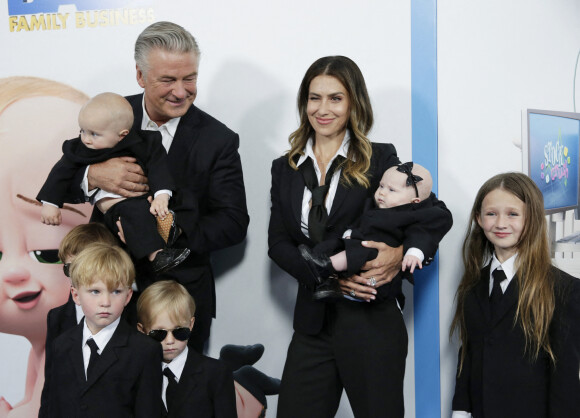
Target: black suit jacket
[498,379]
[205,389]
[146,148]
[285,234]
[126,381]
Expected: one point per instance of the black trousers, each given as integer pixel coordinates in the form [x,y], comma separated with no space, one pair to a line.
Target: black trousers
[139,226]
[362,348]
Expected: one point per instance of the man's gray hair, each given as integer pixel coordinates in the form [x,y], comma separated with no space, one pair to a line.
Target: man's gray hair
[167,36]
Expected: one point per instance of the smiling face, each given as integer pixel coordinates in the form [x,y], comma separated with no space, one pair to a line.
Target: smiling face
[101,306]
[502,219]
[170,84]
[393,190]
[328,107]
[172,347]
[31,277]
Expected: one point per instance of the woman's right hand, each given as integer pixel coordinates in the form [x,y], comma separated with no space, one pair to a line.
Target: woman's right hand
[376,272]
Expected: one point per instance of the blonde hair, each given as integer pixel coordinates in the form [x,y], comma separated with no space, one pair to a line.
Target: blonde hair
[534,276]
[81,236]
[100,261]
[360,122]
[165,296]
[13,89]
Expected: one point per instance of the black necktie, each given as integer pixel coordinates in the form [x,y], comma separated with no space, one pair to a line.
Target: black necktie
[171,388]
[496,293]
[318,215]
[94,356]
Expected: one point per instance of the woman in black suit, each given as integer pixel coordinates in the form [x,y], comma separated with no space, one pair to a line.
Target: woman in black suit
[344,343]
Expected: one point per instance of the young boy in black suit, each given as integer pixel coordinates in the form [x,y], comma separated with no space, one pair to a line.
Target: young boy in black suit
[102,367]
[66,316]
[193,384]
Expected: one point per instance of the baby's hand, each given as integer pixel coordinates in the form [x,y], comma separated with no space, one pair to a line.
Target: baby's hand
[160,205]
[50,215]
[411,262]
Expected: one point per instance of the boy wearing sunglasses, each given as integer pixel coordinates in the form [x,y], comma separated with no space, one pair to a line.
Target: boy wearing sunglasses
[192,383]
[102,366]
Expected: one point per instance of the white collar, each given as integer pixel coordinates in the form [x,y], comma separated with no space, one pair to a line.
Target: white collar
[309,151]
[507,266]
[148,125]
[177,364]
[102,337]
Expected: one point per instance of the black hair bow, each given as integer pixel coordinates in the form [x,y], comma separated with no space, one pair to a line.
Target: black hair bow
[412,179]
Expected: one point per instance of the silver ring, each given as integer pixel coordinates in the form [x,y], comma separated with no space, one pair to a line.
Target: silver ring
[373,281]
[352,293]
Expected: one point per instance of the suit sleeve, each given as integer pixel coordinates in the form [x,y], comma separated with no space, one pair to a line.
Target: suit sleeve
[59,182]
[461,397]
[282,248]
[148,402]
[430,226]
[224,221]
[565,338]
[224,400]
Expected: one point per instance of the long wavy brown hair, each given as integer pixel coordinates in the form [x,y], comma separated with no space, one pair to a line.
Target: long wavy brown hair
[533,265]
[355,167]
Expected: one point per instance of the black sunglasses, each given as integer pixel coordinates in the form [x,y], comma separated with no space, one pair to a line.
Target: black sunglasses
[181,333]
[66,269]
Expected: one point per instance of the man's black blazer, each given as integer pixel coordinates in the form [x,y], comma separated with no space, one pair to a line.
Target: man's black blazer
[285,234]
[204,162]
[205,389]
[205,165]
[126,381]
[498,379]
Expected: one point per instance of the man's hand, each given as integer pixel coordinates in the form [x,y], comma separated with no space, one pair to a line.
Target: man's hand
[160,205]
[410,262]
[50,215]
[119,175]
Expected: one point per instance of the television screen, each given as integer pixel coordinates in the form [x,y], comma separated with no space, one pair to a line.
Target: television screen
[553,151]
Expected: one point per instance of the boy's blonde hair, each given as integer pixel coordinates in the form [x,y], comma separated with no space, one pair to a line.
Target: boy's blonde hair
[99,261]
[165,296]
[81,236]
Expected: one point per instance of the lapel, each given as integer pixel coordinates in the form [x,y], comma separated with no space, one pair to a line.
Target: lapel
[189,380]
[186,135]
[296,194]
[341,193]
[509,299]
[77,360]
[109,356]
[482,293]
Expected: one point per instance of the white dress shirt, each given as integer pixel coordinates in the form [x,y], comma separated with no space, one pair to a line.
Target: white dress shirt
[101,338]
[176,366]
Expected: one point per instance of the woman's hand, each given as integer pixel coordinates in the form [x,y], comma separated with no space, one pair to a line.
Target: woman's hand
[376,272]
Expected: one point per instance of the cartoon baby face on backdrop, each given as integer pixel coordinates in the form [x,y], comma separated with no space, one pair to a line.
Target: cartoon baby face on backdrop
[36,116]
[32,282]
